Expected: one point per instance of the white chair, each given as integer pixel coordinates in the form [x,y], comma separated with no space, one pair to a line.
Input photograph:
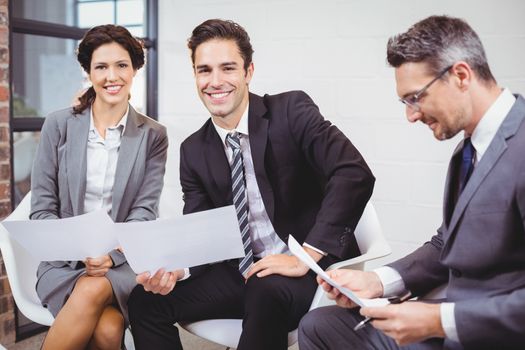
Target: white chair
[21,272]
[371,243]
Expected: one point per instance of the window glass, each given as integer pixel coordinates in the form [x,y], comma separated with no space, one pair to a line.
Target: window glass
[130,12]
[136,31]
[46,74]
[91,14]
[55,11]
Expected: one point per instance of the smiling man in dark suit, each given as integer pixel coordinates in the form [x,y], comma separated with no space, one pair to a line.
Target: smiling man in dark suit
[443,78]
[287,170]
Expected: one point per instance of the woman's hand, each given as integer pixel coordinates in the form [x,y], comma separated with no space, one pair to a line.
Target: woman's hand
[98,267]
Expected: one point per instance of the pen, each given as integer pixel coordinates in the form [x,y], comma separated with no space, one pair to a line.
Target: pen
[393,300]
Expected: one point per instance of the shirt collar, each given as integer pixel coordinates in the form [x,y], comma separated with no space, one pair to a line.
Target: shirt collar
[491,121]
[122,121]
[242,127]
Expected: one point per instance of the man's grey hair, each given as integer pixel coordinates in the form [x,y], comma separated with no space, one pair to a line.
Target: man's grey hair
[440,41]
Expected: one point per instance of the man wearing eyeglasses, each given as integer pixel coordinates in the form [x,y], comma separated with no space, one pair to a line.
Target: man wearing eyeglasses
[443,78]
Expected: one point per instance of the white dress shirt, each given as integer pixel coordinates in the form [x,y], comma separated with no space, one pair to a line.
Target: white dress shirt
[101,159]
[265,240]
[481,138]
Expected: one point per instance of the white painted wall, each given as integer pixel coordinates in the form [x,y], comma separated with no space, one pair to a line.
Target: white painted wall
[335,51]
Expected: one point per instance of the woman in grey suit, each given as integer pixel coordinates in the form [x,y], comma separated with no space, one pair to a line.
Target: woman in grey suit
[99,154]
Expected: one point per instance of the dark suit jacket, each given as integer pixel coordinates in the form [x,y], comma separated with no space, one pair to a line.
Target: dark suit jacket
[313,181]
[480,248]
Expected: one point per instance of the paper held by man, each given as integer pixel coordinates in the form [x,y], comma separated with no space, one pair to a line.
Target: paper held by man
[171,243]
[299,252]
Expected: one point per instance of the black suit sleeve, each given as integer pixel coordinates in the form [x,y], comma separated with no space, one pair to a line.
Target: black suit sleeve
[195,196]
[347,178]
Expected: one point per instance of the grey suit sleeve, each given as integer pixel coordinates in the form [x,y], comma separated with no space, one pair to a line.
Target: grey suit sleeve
[44,175]
[45,203]
[421,270]
[146,202]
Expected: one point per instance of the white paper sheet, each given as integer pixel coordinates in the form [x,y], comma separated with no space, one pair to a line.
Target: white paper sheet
[184,241]
[299,252]
[75,238]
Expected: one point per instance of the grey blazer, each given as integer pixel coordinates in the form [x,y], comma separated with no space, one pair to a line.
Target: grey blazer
[58,179]
[479,250]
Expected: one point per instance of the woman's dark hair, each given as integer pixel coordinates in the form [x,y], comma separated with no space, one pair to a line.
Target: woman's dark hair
[98,36]
[222,29]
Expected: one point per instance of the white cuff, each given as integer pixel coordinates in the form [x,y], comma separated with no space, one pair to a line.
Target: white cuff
[393,284]
[314,248]
[187,274]
[448,321]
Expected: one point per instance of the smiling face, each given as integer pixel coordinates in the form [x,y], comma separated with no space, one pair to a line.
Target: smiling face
[111,74]
[222,82]
[443,107]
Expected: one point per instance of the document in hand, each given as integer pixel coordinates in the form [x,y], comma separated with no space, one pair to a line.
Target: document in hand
[299,252]
[75,238]
[184,241]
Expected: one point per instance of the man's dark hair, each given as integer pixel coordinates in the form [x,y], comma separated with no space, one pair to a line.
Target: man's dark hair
[221,29]
[440,41]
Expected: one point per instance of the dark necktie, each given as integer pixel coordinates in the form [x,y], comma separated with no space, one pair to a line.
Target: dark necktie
[240,201]
[467,163]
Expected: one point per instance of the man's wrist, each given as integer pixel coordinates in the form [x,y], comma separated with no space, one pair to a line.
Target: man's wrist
[375,284]
[436,325]
[181,273]
[314,254]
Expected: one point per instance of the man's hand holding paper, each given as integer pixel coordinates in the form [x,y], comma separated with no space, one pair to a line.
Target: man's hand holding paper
[299,252]
[162,282]
[364,284]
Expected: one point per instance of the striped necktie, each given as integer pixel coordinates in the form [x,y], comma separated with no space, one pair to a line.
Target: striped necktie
[240,201]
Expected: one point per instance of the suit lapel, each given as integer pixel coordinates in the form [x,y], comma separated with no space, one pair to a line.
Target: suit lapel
[128,151]
[496,148]
[76,148]
[258,129]
[217,163]
[449,200]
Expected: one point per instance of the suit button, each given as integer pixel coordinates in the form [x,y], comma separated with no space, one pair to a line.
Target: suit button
[343,240]
[456,273]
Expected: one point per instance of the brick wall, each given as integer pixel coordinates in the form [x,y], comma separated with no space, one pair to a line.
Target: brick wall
[7,317]
[335,51]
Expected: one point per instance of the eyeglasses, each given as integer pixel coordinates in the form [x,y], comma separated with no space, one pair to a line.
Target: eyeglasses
[412,100]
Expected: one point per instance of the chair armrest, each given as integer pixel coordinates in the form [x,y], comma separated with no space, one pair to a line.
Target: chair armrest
[361,259]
